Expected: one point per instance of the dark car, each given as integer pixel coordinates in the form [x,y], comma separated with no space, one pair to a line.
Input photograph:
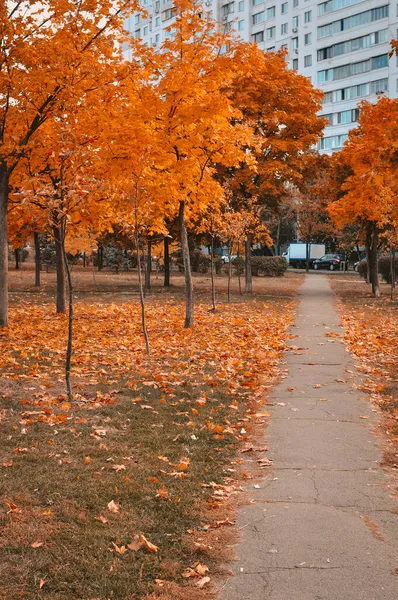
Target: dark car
[329,261]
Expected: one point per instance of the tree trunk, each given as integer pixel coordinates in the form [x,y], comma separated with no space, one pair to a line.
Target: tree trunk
[17,259]
[84,260]
[238,267]
[367,253]
[37,259]
[392,250]
[142,301]
[166,262]
[213,288]
[307,257]
[148,267]
[229,271]
[3,248]
[248,265]
[373,262]
[60,267]
[100,257]
[278,237]
[68,357]
[189,306]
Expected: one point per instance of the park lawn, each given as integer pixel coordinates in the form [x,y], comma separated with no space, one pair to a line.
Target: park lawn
[149,446]
[371,333]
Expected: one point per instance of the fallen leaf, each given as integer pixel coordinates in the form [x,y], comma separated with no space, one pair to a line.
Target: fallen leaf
[113,506]
[36,544]
[202,582]
[148,545]
[101,519]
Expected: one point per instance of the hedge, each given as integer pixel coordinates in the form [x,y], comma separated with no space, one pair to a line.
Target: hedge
[268,266]
[384,268]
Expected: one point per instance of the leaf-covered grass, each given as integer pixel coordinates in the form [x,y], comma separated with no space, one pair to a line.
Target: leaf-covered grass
[371,332]
[157,435]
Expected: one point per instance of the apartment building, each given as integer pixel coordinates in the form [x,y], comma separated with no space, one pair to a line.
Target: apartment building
[341,45]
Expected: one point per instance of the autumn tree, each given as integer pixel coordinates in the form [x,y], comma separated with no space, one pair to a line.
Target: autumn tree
[369,193]
[50,52]
[196,122]
[281,106]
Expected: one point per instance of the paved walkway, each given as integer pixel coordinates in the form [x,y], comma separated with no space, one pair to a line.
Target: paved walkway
[322,525]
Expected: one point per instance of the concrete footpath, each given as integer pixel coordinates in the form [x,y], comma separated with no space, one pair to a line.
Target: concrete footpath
[322,525]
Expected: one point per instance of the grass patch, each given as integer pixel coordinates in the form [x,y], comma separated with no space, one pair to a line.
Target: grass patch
[156,436]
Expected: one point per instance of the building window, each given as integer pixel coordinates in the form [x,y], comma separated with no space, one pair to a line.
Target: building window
[328,98]
[295,64]
[359,43]
[271,12]
[157,5]
[258,17]
[284,8]
[308,39]
[168,14]
[378,62]
[157,22]
[146,30]
[271,49]
[284,28]
[295,3]
[241,25]
[137,33]
[255,2]
[295,22]
[258,37]
[284,47]
[137,19]
[295,43]
[308,60]
[271,33]
[241,6]
[379,86]
[227,9]
[329,117]
[356,91]
[331,5]
[157,38]
[307,16]
[358,20]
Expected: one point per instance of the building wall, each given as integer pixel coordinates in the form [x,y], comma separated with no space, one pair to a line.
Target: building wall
[341,45]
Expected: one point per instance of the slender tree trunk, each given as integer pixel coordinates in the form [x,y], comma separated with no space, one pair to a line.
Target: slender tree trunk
[37,258]
[100,257]
[84,260]
[307,257]
[3,247]
[69,345]
[373,266]
[166,262]
[392,250]
[229,271]
[60,268]
[248,265]
[189,307]
[17,259]
[367,253]
[148,267]
[238,267]
[213,287]
[278,236]
[141,289]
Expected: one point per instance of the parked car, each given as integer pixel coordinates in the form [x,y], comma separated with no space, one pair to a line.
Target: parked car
[329,261]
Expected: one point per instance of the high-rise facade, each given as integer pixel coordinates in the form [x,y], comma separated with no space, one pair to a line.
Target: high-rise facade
[341,45]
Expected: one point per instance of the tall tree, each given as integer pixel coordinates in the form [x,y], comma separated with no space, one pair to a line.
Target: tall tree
[369,195]
[50,52]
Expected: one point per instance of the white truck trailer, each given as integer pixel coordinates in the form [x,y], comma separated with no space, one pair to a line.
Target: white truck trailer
[297,252]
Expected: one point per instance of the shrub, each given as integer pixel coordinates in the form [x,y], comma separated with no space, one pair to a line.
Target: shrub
[239,264]
[218,264]
[384,268]
[268,266]
[200,262]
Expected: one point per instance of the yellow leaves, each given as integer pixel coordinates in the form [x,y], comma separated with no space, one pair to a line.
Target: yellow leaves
[101,519]
[163,493]
[141,542]
[196,570]
[113,506]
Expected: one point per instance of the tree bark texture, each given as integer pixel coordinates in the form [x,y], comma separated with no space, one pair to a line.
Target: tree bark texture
[213,287]
[239,268]
[3,247]
[373,260]
[307,257]
[69,346]
[37,258]
[141,289]
[60,268]
[248,265]
[189,306]
[166,242]
[17,254]
[229,271]
[148,266]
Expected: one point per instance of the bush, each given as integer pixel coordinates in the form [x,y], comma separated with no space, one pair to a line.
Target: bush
[268,266]
[218,264]
[384,268]
[200,262]
[239,264]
